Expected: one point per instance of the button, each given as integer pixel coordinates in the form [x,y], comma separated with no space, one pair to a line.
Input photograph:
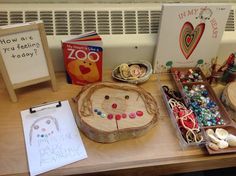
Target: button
[124,116]
[132,115]
[118,116]
[139,113]
[110,116]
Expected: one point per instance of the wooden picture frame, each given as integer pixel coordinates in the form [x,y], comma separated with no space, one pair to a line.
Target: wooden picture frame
[25,57]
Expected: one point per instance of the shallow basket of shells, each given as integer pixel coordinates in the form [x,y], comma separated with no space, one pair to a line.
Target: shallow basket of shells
[221,140]
[135,72]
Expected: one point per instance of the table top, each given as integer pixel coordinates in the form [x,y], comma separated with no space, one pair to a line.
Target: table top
[158,148]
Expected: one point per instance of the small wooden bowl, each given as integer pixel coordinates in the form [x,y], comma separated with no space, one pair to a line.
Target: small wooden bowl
[231,130]
[116,72]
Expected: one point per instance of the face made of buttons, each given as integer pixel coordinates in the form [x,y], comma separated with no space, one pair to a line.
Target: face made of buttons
[43,128]
[109,107]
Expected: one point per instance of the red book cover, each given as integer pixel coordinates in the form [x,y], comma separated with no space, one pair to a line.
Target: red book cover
[83,59]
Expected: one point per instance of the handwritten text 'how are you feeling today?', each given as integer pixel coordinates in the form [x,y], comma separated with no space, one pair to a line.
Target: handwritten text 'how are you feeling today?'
[20,47]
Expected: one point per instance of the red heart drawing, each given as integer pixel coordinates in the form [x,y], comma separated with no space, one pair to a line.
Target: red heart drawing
[189,37]
[84,69]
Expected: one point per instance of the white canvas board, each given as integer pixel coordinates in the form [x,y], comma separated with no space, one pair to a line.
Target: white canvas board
[52,138]
[189,35]
[23,56]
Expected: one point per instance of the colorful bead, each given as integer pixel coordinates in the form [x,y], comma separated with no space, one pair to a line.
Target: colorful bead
[189,76]
[205,108]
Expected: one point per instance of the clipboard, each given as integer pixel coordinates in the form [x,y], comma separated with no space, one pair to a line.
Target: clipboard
[52,138]
[44,106]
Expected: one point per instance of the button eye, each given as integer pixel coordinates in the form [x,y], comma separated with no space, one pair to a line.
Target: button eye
[36,127]
[126,97]
[48,121]
[107,97]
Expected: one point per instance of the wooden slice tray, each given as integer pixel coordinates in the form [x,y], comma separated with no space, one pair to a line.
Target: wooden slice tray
[109,112]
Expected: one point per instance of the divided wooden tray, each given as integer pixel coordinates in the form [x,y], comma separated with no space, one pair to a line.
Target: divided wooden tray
[182,141]
[229,125]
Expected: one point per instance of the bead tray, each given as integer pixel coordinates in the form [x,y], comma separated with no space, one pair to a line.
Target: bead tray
[185,70]
[182,141]
[228,123]
[212,95]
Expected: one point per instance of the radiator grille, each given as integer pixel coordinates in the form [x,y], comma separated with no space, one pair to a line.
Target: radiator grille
[47,18]
[16,17]
[3,18]
[116,22]
[74,22]
[31,16]
[89,21]
[230,22]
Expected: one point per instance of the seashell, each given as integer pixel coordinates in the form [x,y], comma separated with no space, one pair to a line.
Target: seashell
[133,72]
[124,71]
[223,144]
[210,131]
[213,138]
[213,146]
[221,133]
[231,139]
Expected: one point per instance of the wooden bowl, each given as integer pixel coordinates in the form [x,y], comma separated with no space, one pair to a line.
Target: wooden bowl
[231,130]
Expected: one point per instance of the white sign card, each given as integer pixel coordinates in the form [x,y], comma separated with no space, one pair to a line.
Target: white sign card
[24,56]
[189,35]
[52,138]
[22,52]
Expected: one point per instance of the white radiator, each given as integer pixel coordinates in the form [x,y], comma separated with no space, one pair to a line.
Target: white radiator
[129,31]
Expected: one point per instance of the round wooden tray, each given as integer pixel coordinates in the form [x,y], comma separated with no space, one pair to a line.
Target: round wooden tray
[228,98]
[109,112]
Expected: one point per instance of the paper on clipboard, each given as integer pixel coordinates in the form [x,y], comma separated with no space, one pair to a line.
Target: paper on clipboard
[52,138]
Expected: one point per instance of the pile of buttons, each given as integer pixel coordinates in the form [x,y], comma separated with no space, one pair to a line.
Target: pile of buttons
[133,71]
[190,76]
[118,116]
[203,106]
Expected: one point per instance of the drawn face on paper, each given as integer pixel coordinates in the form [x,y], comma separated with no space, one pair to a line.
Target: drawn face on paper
[43,128]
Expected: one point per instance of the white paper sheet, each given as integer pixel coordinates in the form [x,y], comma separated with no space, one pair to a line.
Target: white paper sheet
[52,138]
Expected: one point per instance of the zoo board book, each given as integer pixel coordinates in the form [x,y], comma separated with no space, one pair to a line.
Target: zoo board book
[83,58]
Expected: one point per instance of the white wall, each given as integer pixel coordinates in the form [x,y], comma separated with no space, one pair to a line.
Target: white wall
[109,1]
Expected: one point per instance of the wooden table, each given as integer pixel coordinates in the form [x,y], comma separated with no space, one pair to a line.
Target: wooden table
[158,151]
